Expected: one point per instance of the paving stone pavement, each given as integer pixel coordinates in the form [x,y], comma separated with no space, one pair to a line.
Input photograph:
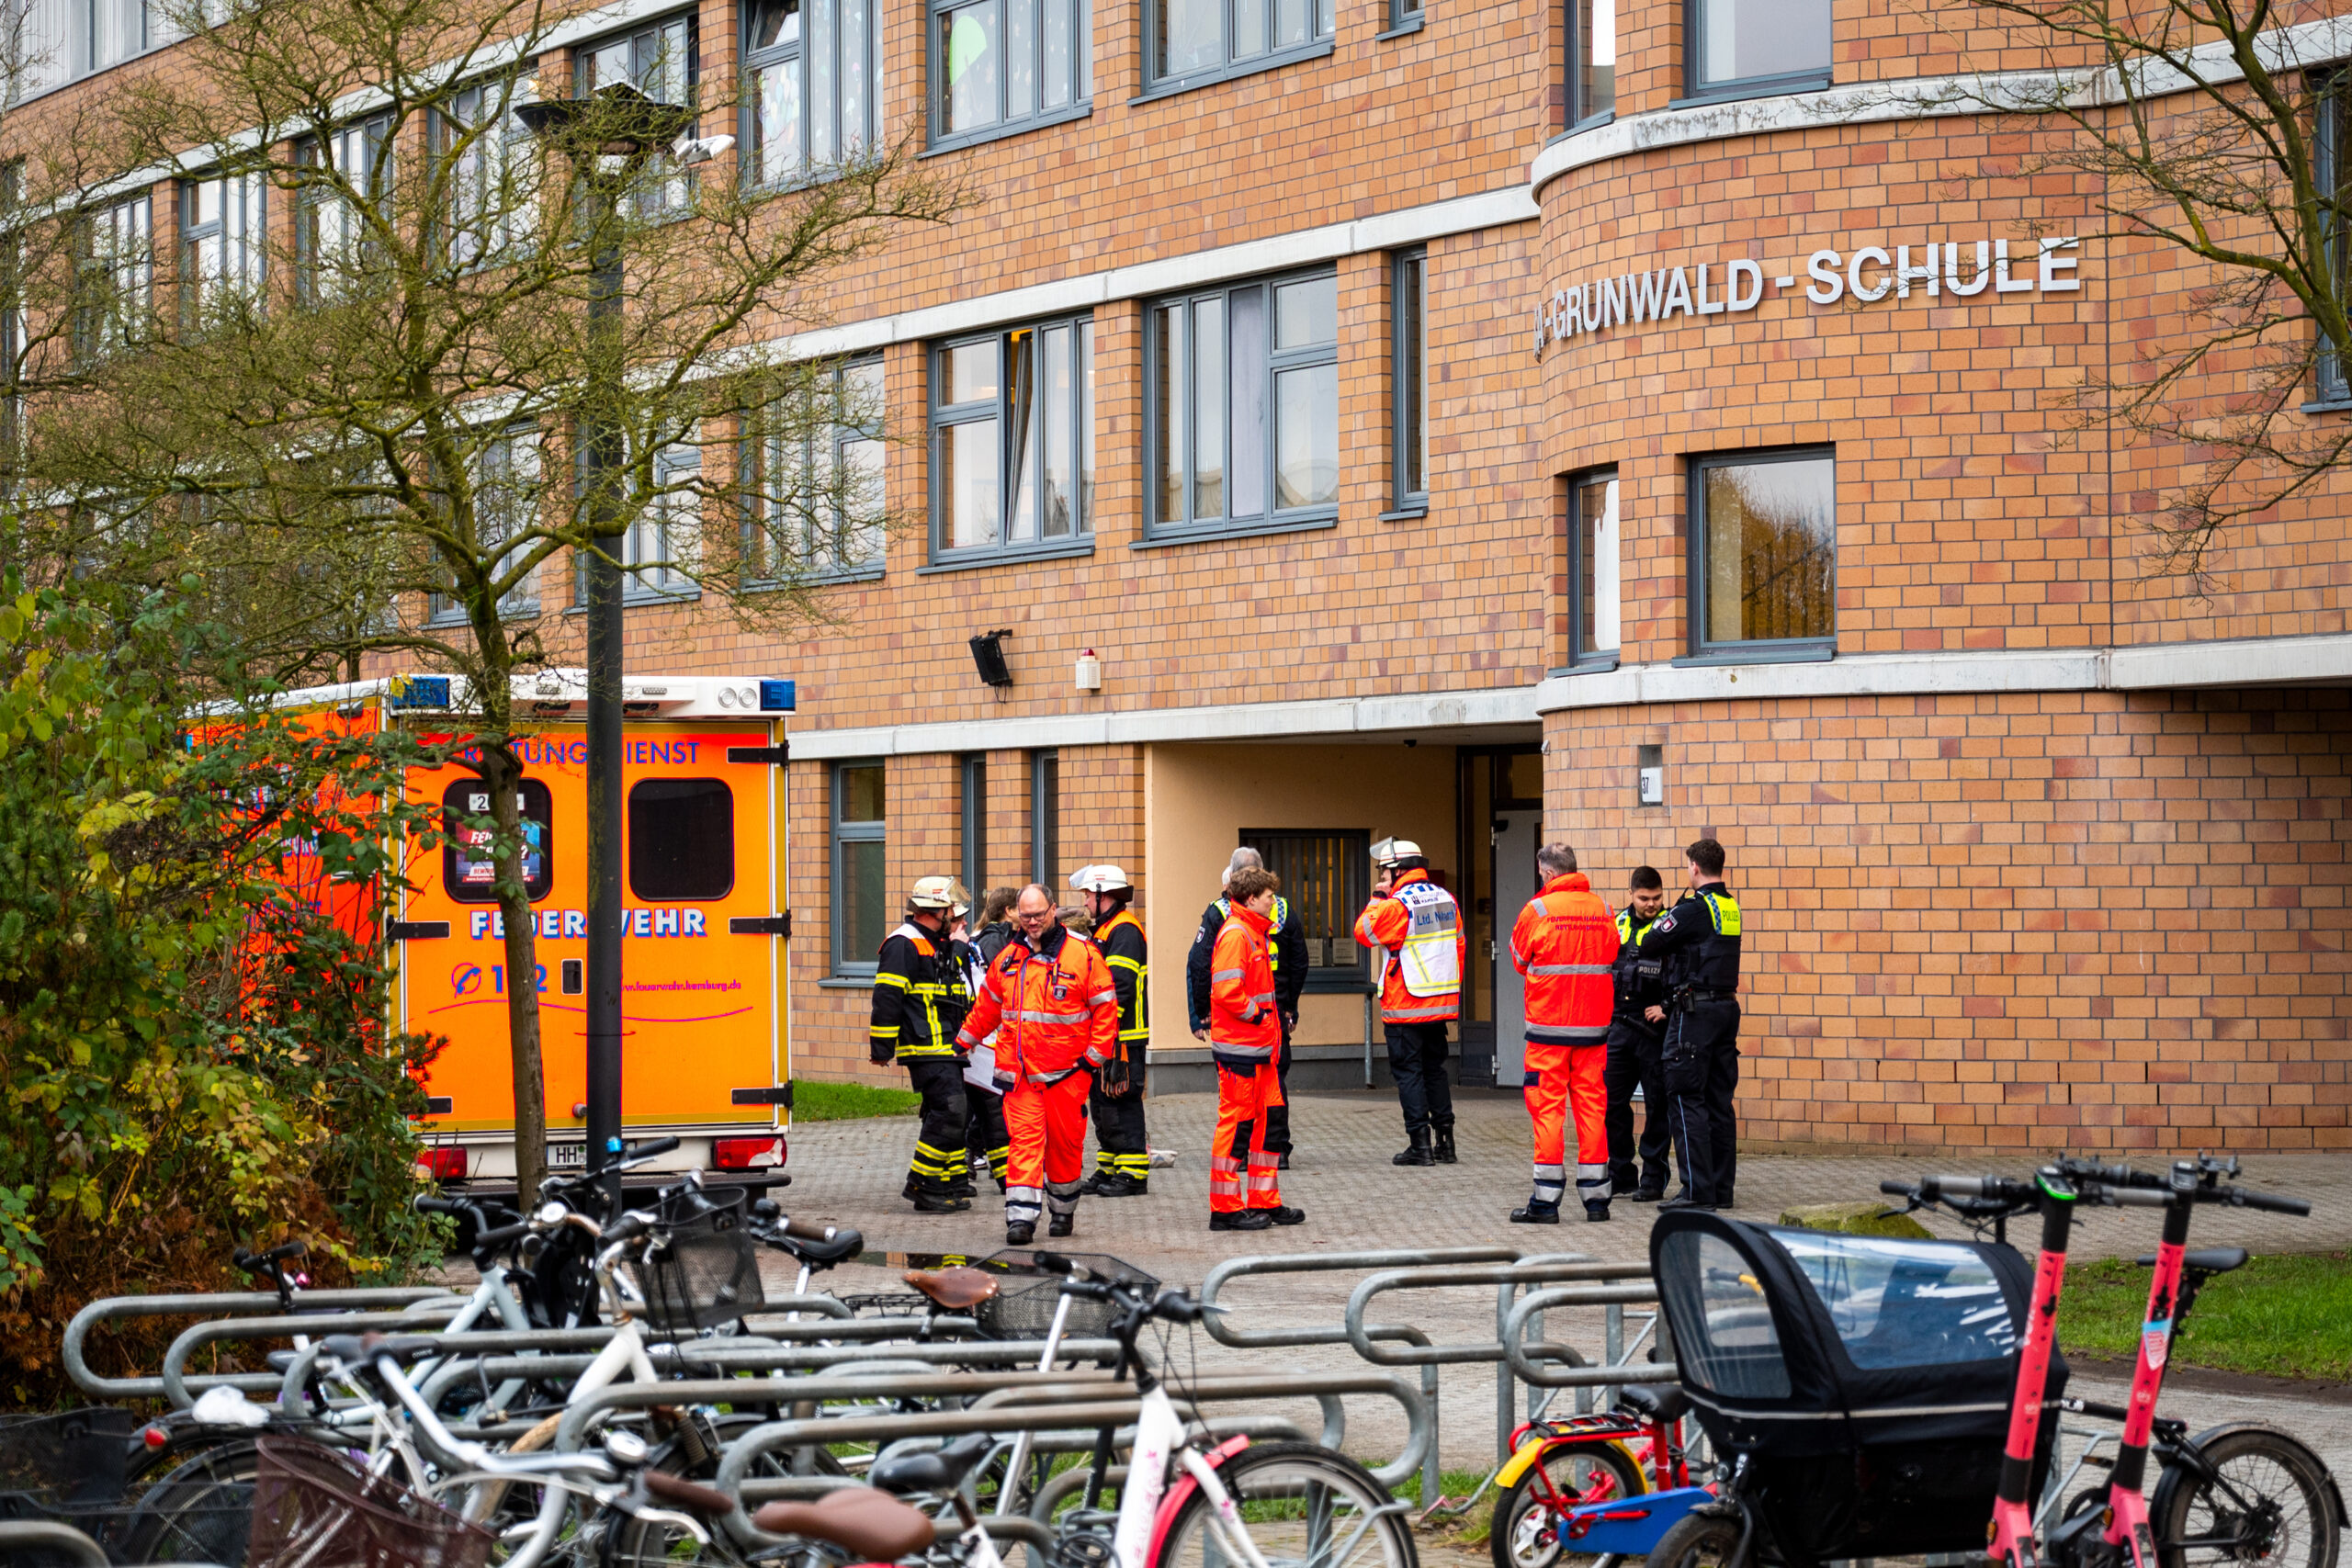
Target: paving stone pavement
[1356,1200]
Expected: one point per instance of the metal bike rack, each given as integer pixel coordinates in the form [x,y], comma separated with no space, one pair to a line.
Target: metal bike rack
[1522,1358]
[213,1304]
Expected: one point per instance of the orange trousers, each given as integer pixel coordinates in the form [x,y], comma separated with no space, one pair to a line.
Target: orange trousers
[1046,1129]
[1241,1173]
[1564,1080]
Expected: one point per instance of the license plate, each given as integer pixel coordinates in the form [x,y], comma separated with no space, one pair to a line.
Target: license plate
[561,1156]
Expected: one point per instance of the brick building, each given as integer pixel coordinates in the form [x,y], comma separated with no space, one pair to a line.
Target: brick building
[1607,423]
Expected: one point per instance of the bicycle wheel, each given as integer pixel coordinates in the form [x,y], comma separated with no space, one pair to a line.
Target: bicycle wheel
[1304,1505]
[1525,1533]
[1697,1540]
[2270,1501]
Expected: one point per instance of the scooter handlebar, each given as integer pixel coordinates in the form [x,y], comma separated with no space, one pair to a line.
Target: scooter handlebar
[2241,1198]
[2135,1197]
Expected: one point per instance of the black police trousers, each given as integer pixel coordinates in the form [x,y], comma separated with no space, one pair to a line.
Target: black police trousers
[985,1140]
[1701,1069]
[1636,1059]
[1416,1061]
[939,1165]
[1120,1147]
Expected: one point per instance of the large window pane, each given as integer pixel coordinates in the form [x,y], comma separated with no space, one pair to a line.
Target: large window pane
[971,483]
[1247,416]
[1409,303]
[1308,420]
[1743,41]
[1060,80]
[866,902]
[680,838]
[778,138]
[1208,398]
[1020,57]
[862,799]
[1057,429]
[1170,403]
[1192,36]
[971,372]
[1592,59]
[1021,406]
[973,56]
[1771,549]
[1307,313]
[1596,573]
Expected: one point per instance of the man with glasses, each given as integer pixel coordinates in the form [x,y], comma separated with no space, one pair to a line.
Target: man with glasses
[1049,997]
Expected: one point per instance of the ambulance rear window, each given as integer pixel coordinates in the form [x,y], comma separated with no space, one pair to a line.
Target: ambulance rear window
[466,870]
[680,838]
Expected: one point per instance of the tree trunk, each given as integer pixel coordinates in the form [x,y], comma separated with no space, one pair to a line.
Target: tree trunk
[503,775]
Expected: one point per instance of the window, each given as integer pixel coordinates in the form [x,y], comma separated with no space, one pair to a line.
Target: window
[1046,819]
[506,502]
[1410,376]
[659,552]
[1325,878]
[974,767]
[861,889]
[114,278]
[225,239]
[2332,385]
[468,871]
[1724,1333]
[1004,65]
[1244,406]
[1199,40]
[658,61]
[1739,47]
[1013,440]
[814,94]
[353,165]
[1592,60]
[1404,14]
[1593,568]
[1764,565]
[493,208]
[682,840]
[815,508]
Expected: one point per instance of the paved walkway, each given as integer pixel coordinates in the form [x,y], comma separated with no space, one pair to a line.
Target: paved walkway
[850,1172]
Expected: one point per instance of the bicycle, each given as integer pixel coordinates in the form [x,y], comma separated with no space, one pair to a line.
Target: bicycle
[1559,1467]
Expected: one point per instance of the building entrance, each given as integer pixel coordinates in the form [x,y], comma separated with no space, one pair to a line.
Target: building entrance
[1514,838]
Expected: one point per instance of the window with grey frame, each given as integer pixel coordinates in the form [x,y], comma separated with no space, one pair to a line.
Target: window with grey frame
[1404,15]
[1326,881]
[814,503]
[493,173]
[1012,443]
[333,237]
[1002,66]
[812,96]
[1737,48]
[2330,382]
[1045,821]
[1592,61]
[1763,554]
[1244,406]
[861,890]
[1193,42]
[114,282]
[657,60]
[224,245]
[1595,584]
[505,503]
[1409,380]
[973,770]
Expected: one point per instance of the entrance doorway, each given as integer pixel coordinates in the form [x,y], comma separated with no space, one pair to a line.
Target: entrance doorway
[1501,823]
[1516,836]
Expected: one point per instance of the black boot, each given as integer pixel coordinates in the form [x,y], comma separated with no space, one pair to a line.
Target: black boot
[1536,1214]
[1445,1151]
[1017,1234]
[1420,1153]
[1061,1225]
[941,1203]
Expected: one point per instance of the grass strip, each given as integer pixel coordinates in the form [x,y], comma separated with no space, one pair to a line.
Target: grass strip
[848,1101]
[2282,1315]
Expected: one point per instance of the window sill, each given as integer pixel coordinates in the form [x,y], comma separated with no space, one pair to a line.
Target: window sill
[846,983]
[1757,87]
[1757,653]
[2327,405]
[819,579]
[1317,51]
[1410,511]
[1020,554]
[946,144]
[1591,122]
[1404,28]
[1599,665]
[1170,539]
[647,600]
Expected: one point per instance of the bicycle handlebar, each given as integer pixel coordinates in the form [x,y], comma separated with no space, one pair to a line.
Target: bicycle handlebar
[2239,1198]
[251,1261]
[485,1240]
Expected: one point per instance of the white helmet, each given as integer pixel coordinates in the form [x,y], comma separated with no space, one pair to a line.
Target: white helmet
[1099,879]
[1388,851]
[933,892]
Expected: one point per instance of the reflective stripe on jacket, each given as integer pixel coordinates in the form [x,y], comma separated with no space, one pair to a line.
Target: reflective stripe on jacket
[1244,1023]
[1565,943]
[1051,1005]
[1421,914]
[919,995]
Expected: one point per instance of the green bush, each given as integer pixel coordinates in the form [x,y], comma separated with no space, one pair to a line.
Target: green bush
[848,1101]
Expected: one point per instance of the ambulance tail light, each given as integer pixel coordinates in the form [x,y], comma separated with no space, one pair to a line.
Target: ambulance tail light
[447,1163]
[747,1154]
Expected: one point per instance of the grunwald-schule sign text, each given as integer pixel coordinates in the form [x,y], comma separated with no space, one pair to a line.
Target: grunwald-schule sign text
[1866,275]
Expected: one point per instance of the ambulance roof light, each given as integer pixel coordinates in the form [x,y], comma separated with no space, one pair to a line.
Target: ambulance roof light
[777,696]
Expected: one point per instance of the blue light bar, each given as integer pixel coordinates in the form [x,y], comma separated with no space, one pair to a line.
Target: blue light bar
[421,692]
[777,696]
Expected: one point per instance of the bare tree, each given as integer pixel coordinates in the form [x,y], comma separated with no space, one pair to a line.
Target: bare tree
[350,405]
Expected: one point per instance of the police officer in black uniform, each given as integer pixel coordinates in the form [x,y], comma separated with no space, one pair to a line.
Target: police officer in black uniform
[1698,941]
[920,998]
[1636,1044]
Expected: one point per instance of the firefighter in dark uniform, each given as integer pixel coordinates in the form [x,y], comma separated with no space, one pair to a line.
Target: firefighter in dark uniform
[1635,1047]
[1698,942]
[1122,1152]
[920,998]
[1286,946]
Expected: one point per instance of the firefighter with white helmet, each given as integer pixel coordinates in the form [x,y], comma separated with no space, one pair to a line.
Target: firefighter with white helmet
[1416,927]
[921,995]
[1122,1157]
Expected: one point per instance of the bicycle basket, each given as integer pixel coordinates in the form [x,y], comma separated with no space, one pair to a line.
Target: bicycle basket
[75,1456]
[203,1521]
[701,1271]
[316,1508]
[1028,1295]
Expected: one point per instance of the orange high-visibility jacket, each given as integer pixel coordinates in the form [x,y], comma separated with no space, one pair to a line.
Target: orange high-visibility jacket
[1565,943]
[1385,924]
[1243,1020]
[1052,1007]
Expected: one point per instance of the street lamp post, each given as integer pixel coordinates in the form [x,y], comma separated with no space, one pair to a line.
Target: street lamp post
[611,135]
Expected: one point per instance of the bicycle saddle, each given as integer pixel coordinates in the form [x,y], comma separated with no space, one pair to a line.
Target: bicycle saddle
[958,1289]
[873,1525]
[707,1501]
[2205,1260]
[941,1470]
[831,1245]
[356,1348]
[1656,1401]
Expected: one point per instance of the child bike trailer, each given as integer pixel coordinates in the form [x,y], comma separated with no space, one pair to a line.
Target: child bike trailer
[1865,1380]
